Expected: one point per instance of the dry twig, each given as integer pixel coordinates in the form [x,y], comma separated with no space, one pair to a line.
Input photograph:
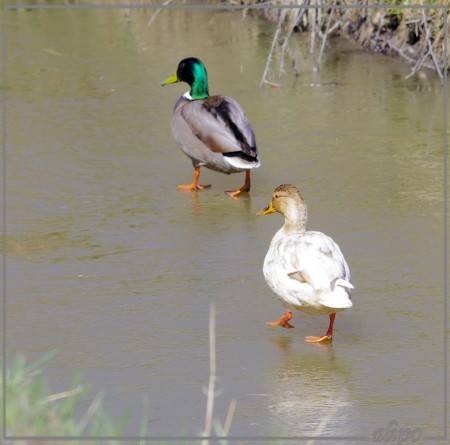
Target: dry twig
[322,425]
[153,17]
[212,374]
[288,36]
[430,46]
[281,18]
[327,33]
[64,394]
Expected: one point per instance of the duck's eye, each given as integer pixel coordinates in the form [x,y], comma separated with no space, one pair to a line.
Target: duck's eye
[276,196]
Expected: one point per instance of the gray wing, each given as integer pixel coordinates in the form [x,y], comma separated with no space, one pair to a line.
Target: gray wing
[220,123]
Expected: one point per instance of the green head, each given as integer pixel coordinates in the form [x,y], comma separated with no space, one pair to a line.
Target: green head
[193,72]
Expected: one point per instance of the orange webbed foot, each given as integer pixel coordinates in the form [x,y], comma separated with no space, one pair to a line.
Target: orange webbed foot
[236,193]
[283,321]
[193,186]
[318,339]
[328,335]
[243,189]
[233,193]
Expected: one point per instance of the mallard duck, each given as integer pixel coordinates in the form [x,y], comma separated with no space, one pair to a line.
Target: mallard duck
[212,130]
[305,269]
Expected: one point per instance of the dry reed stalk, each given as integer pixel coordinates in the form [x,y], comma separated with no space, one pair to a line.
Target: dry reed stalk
[281,18]
[211,393]
[295,24]
[327,32]
[322,425]
[90,413]
[64,394]
[153,17]
[212,374]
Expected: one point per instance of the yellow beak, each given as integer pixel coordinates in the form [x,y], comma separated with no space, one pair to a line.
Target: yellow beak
[172,79]
[266,210]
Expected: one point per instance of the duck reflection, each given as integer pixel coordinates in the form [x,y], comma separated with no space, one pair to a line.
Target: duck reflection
[244,203]
[195,196]
[310,394]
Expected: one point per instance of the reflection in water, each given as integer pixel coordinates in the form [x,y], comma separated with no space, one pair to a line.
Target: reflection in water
[310,390]
[198,197]
[195,199]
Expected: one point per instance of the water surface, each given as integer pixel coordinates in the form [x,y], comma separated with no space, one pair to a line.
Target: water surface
[111,265]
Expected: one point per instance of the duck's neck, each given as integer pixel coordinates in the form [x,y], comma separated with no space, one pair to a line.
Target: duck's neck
[294,222]
[199,87]
[199,92]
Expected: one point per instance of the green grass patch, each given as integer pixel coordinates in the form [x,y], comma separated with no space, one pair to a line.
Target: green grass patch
[33,411]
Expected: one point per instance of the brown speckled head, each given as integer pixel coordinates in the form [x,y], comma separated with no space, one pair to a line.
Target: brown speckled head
[287,190]
[287,200]
[283,196]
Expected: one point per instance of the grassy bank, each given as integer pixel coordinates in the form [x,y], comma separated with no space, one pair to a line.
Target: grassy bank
[33,411]
[393,27]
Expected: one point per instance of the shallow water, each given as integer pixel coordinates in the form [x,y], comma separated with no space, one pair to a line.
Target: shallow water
[111,265]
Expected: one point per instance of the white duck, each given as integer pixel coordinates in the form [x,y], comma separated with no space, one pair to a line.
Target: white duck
[305,269]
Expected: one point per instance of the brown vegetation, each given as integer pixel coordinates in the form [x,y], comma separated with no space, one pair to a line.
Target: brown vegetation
[408,29]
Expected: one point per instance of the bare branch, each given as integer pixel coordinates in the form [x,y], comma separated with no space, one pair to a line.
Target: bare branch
[417,66]
[430,46]
[327,32]
[272,48]
[288,36]
[153,18]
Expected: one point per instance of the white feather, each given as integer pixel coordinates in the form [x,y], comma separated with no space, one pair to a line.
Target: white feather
[240,163]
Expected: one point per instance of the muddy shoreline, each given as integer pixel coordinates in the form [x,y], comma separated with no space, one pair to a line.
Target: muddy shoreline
[415,34]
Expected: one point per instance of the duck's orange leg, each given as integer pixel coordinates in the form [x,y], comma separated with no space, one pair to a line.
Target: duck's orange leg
[195,185]
[283,321]
[244,188]
[327,336]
